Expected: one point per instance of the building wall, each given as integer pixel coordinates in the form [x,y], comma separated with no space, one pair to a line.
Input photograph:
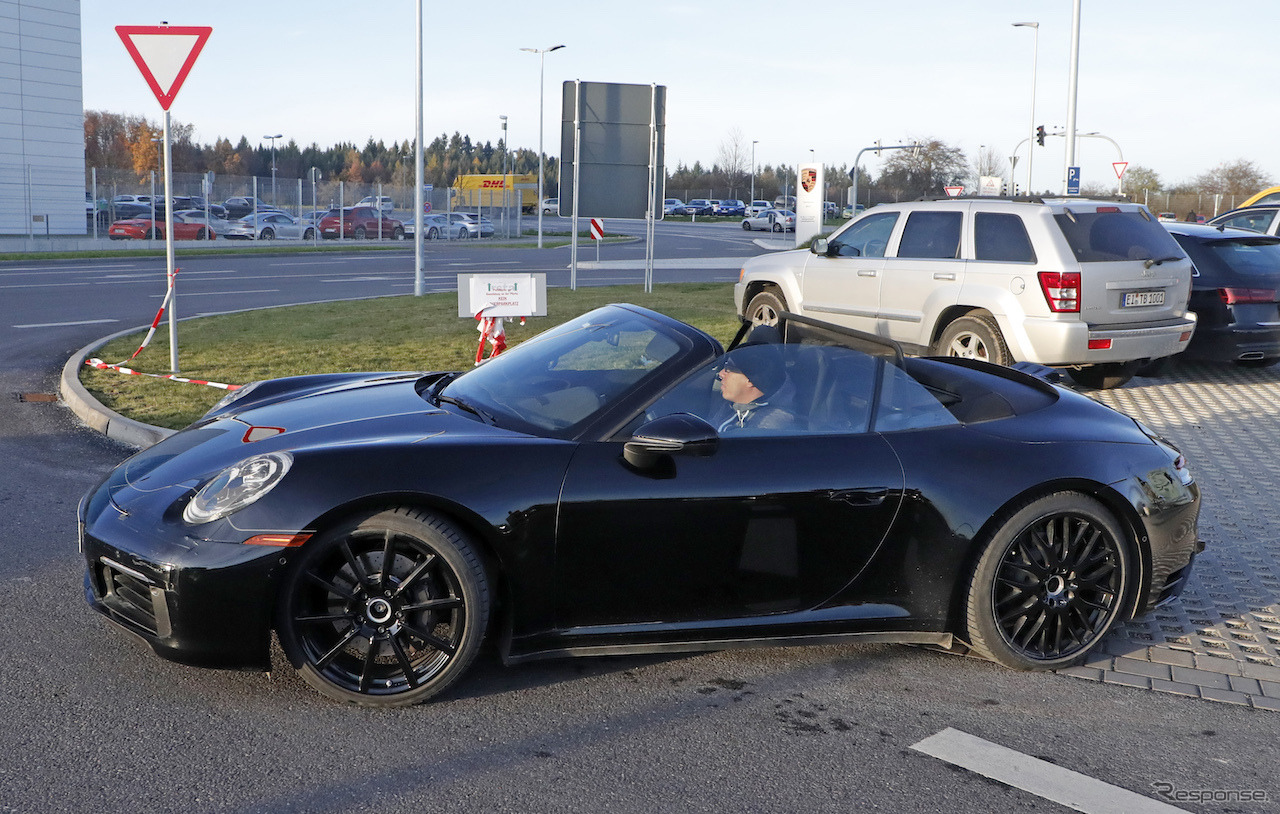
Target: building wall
[41,118]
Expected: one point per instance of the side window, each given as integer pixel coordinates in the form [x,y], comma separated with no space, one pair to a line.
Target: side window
[1001,236]
[905,404]
[866,238]
[931,235]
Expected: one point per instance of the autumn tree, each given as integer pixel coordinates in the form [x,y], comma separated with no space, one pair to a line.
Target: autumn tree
[1238,178]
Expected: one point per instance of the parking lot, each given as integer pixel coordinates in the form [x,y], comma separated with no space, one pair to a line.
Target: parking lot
[1221,641]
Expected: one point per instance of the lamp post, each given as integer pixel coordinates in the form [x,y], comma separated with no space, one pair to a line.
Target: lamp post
[542,69]
[1071,96]
[273,166]
[1035,59]
[505,202]
[753,170]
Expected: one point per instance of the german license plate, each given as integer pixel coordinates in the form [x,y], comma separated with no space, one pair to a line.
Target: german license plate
[1135,299]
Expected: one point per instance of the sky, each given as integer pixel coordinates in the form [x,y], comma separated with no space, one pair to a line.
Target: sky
[1157,79]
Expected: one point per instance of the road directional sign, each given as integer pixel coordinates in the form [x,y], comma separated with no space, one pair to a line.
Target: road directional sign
[164,54]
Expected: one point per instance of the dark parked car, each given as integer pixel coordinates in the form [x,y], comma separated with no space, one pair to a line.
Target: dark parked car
[1235,293]
[594,490]
[360,222]
[1264,219]
[731,208]
[239,207]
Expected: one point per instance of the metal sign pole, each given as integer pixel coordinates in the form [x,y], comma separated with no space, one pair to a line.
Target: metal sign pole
[577,164]
[651,214]
[168,249]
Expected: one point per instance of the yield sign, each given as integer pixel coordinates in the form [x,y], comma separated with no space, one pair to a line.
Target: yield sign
[953,191]
[164,54]
[1120,167]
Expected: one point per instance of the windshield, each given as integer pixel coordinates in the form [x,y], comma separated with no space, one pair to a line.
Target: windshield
[566,375]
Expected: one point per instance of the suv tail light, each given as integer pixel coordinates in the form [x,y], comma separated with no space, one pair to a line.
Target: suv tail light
[1231,296]
[1061,290]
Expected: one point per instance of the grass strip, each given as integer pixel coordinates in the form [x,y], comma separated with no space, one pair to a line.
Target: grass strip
[389,333]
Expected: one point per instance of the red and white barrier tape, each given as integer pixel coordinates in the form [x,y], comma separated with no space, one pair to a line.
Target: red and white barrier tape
[101,365]
[168,296]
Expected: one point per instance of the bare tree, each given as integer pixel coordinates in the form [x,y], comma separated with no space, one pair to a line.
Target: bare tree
[1238,177]
[925,171]
[988,162]
[733,160]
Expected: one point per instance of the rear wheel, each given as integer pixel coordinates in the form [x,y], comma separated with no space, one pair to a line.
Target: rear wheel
[386,609]
[746,226]
[777,227]
[1104,376]
[1051,582]
[975,336]
[359,233]
[398,234]
[433,233]
[202,234]
[309,234]
[766,308]
[267,234]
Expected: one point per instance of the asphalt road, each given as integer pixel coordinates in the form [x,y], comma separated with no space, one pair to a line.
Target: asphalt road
[94,721]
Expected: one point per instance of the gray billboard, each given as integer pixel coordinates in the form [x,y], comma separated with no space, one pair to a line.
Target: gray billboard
[611,134]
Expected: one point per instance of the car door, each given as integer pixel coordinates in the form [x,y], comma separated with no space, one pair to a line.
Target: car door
[769,523]
[843,286]
[923,274]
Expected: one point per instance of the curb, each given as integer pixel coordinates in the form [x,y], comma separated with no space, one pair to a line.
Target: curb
[93,413]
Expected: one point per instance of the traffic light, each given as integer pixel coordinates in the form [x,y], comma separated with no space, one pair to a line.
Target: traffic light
[1040,135]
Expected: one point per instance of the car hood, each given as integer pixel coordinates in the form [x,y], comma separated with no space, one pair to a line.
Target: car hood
[311,419]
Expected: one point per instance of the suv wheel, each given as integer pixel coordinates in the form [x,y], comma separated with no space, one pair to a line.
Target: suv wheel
[973,337]
[1105,376]
[765,307]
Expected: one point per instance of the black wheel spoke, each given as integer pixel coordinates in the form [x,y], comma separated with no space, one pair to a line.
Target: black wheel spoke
[366,671]
[435,641]
[447,603]
[362,577]
[325,618]
[388,559]
[331,587]
[416,573]
[324,660]
[406,664]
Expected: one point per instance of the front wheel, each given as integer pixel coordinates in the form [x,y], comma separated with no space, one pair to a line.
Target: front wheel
[202,234]
[386,609]
[309,234]
[973,337]
[1053,579]
[359,233]
[433,233]
[766,308]
[746,226]
[398,234]
[1104,376]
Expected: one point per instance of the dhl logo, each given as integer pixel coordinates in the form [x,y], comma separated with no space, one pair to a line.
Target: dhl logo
[492,185]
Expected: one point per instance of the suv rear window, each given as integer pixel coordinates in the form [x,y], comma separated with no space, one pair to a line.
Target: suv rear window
[1108,236]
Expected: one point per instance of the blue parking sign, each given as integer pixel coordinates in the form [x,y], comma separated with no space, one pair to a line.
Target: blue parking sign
[1073,180]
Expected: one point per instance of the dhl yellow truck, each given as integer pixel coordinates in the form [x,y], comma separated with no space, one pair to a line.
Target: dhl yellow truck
[472,191]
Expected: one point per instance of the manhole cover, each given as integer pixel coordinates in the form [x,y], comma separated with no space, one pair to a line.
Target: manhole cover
[40,398]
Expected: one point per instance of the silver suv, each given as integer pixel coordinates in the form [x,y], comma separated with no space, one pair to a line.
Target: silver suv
[1098,287]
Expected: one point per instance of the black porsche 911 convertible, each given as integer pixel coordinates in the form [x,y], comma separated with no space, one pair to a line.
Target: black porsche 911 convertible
[621,484]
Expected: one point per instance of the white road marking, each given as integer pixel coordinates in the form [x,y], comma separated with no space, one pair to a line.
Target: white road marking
[1039,777]
[182,293]
[67,324]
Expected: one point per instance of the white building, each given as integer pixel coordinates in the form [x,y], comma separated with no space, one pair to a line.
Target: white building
[41,119]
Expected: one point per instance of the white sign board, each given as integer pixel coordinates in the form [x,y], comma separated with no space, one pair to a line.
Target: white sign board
[990,184]
[502,295]
[809,193]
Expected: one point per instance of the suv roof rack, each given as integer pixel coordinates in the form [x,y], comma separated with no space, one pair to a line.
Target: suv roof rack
[1027,198]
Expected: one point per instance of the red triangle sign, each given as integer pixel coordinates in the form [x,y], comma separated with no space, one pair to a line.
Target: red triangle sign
[164,54]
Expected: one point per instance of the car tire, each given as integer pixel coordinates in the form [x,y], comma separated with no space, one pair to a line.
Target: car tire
[433,233]
[398,234]
[777,227]
[359,233]
[1104,376]
[1054,577]
[202,234]
[309,234]
[267,234]
[766,308]
[746,227]
[384,637]
[974,336]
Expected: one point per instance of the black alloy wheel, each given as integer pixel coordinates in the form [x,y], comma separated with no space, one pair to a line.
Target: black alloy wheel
[309,234]
[1051,582]
[385,610]
[267,234]
[202,234]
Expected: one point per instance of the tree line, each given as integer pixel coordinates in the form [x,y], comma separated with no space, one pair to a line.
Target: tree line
[131,144]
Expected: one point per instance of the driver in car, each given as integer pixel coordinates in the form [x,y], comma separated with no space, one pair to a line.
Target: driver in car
[751,380]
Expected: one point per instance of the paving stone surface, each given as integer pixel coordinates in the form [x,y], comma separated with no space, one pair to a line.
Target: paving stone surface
[1221,640]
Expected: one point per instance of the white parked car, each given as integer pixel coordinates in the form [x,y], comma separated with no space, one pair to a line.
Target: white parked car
[756,207]
[771,220]
[382,202]
[269,226]
[551,206]
[673,206]
[1097,287]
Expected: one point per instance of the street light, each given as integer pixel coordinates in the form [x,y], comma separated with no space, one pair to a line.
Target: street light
[753,170]
[273,166]
[505,203]
[1035,58]
[542,60]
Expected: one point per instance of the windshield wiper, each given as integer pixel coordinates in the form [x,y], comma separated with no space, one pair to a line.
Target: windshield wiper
[1151,261]
[468,406]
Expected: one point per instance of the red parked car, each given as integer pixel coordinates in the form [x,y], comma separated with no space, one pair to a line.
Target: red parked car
[143,228]
[360,222]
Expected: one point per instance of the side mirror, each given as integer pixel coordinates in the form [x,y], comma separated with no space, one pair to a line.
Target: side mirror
[675,434]
[819,246]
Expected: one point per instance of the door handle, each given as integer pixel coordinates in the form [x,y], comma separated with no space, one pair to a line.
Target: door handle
[866,272]
[944,275]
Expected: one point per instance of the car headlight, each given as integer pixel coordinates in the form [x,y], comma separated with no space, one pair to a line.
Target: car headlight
[237,486]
